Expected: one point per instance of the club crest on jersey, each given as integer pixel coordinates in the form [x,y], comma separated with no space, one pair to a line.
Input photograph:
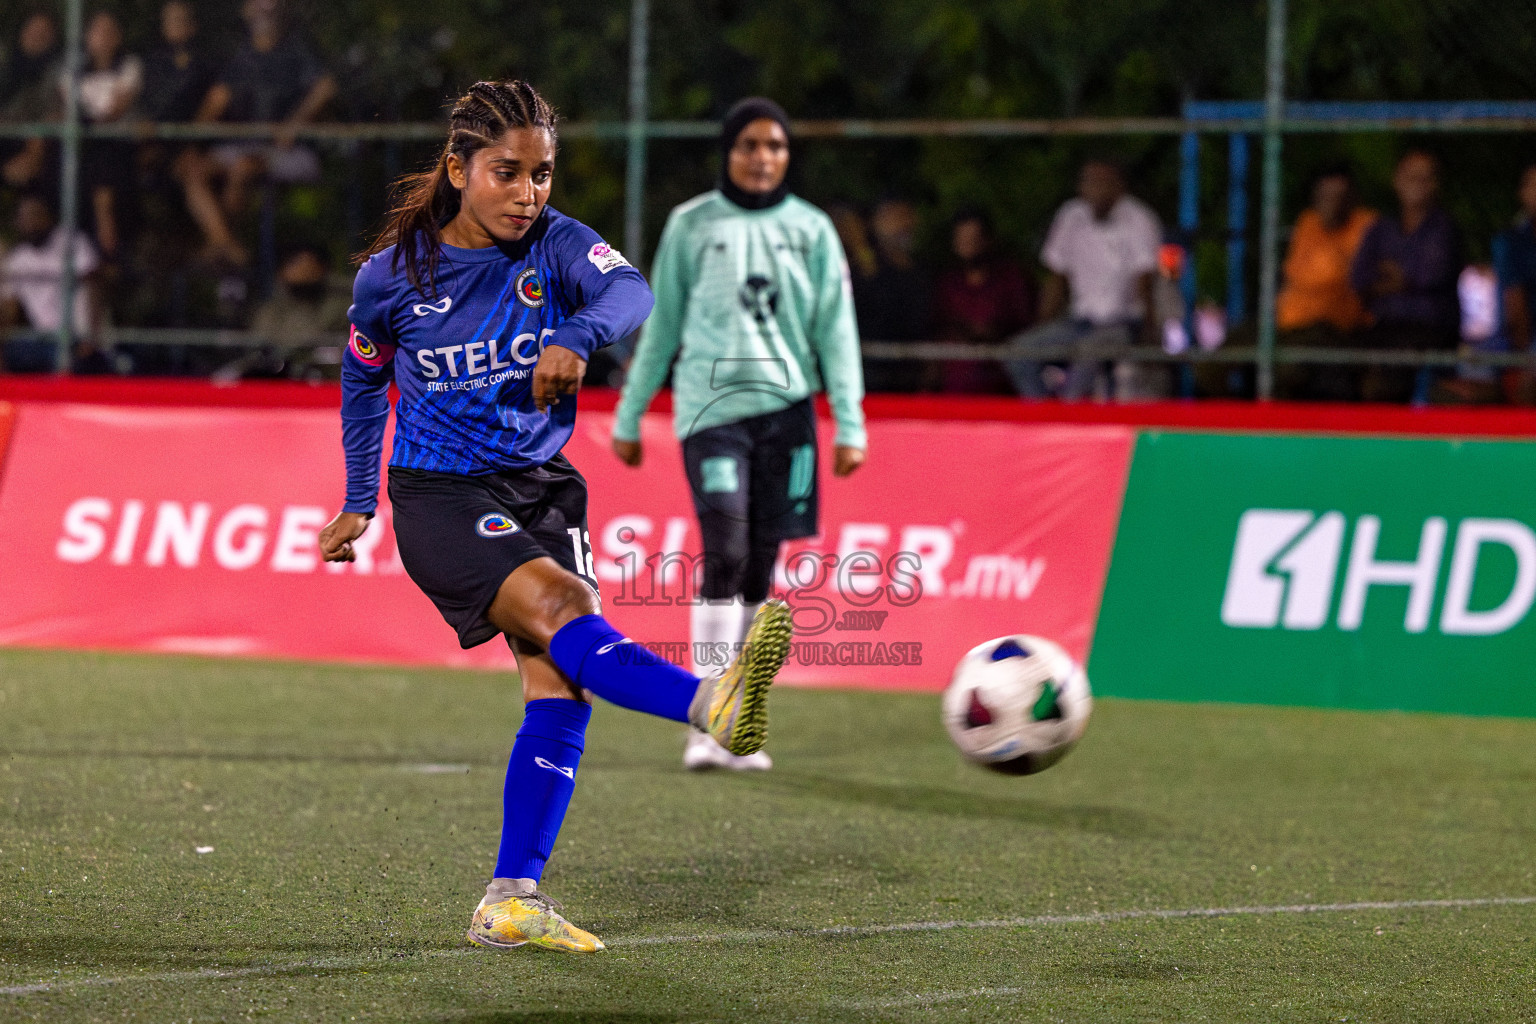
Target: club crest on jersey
[496,525]
[530,290]
[364,348]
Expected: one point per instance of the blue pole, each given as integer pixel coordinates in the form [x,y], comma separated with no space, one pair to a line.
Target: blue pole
[1189,224]
[1237,228]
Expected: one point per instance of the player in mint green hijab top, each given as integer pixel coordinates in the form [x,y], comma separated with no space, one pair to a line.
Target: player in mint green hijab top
[753,304]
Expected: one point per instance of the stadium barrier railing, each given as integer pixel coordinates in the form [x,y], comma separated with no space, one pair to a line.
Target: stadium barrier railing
[1231,119]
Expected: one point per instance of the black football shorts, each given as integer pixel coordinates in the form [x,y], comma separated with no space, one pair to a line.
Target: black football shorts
[460,537]
[755,477]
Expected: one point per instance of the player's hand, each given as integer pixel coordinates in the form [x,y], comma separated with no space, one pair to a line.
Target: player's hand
[846,459]
[559,373]
[337,537]
[629,452]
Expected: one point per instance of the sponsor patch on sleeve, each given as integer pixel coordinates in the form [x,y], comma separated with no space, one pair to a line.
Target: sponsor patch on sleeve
[365,350]
[605,257]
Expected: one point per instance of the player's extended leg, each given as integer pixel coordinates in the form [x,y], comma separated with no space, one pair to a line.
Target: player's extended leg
[544,603]
[725,624]
[717,625]
[541,776]
[719,464]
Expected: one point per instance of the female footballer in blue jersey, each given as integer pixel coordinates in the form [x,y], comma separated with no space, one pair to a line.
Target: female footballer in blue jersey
[482,304]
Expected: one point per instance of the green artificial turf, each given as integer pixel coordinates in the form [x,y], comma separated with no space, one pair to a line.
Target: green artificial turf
[353,815]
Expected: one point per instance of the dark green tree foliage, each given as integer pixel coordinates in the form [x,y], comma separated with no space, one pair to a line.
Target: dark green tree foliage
[399,59]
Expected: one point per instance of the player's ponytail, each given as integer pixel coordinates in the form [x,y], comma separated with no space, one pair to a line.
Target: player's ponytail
[428,200]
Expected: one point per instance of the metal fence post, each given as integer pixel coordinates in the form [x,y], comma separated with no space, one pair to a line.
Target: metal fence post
[634,169]
[69,180]
[1269,256]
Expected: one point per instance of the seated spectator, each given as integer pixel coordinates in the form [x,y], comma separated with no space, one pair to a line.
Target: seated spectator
[27,94]
[1317,306]
[1514,260]
[32,288]
[1101,253]
[30,66]
[984,300]
[1406,271]
[273,77]
[303,316]
[179,72]
[895,299]
[110,83]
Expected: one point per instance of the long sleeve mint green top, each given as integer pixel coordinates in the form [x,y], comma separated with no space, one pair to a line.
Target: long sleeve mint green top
[756,308]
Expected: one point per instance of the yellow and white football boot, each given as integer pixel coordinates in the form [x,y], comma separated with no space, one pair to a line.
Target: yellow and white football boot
[733,706]
[512,916]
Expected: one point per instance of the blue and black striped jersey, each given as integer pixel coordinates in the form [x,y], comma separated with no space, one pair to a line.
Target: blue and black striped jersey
[463,358]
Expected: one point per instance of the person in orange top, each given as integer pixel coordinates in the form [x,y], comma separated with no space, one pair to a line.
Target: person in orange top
[1317,306]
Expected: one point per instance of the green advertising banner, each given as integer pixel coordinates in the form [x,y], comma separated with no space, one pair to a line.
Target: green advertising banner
[1332,572]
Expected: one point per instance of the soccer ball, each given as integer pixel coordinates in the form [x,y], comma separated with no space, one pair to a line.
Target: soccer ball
[1017,704]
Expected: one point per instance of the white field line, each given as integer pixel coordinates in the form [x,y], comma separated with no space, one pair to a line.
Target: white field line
[943,996]
[331,963]
[1049,920]
[772,934]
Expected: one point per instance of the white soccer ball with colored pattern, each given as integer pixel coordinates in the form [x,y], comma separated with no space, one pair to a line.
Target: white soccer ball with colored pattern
[1017,704]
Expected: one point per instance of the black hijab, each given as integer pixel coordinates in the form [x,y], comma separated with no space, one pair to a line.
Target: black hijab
[738,117]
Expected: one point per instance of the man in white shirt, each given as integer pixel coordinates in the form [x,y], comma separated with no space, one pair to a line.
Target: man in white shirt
[1102,256]
[32,284]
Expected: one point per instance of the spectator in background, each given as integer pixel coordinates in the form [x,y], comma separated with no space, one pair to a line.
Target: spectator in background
[179,72]
[1101,255]
[110,83]
[303,317]
[1317,306]
[895,300]
[984,300]
[273,77]
[29,68]
[27,94]
[1405,271]
[851,230]
[1514,260]
[32,287]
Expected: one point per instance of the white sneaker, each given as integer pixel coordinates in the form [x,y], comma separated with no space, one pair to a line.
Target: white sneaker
[702,753]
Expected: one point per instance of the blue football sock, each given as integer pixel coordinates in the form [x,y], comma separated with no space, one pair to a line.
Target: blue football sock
[597,657]
[541,775]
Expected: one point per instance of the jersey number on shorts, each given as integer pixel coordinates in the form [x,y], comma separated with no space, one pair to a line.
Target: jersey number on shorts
[580,538]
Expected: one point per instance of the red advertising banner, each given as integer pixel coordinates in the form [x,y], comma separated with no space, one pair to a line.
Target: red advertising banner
[193,530]
[7,418]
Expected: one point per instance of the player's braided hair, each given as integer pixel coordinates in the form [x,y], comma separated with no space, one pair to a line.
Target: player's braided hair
[428,200]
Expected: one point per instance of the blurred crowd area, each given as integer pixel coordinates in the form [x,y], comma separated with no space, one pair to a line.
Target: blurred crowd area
[246,236]
[1106,280]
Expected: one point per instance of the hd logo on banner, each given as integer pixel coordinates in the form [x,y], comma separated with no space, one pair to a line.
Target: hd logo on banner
[1285,565]
[1351,572]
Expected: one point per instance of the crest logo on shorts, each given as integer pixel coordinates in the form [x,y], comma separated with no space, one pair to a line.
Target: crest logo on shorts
[495,524]
[530,290]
